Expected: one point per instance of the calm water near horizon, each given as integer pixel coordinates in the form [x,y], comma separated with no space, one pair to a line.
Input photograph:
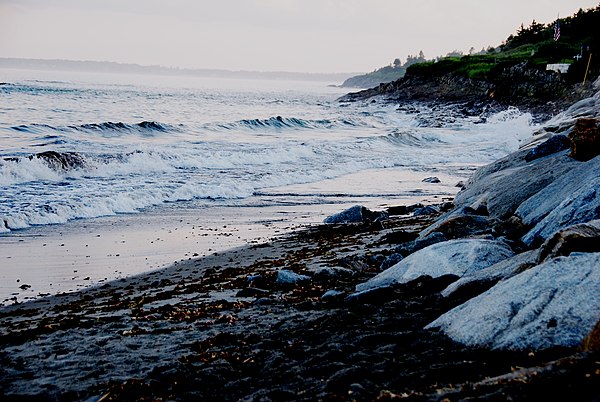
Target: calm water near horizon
[150,145]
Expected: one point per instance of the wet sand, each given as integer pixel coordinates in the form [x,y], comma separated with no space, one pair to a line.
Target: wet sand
[52,259]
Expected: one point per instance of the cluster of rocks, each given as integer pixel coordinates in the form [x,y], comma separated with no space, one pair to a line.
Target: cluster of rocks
[522,241]
[543,93]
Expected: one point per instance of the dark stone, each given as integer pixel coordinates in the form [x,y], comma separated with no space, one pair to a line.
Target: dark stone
[511,228]
[591,343]
[583,237]
[414,207]
[372,296]
[252,292]
[416,245]
[399,236]
[460,226]
[333,273]
[61,161]
[480,210]
[355,214]
[332,295]
[585,139]
[431,180]
[428,210]
[398,210]
[554,144]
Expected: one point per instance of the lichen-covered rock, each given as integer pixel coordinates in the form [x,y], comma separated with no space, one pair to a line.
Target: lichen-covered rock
[580,237]
[556,303]
[585,139]
[456,257]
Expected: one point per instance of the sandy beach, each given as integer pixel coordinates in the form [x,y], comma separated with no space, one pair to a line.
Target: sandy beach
[230,326]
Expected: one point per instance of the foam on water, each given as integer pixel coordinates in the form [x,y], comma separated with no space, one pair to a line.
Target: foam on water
[233,145]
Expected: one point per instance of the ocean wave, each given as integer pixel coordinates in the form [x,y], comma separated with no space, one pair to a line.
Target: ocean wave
[120,127]
[39,88]
[279,122]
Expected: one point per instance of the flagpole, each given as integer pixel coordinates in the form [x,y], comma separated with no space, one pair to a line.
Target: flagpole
[587,69]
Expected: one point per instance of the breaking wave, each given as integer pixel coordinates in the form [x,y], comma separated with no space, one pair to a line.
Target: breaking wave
[279,122]
[144,126]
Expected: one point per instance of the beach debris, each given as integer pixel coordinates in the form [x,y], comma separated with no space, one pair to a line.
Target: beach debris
[252,292]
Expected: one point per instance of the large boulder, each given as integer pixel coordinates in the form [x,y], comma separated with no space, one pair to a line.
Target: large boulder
[582,205]
[455,257]
[505,184]
[540,205]
[556,303]
[501,270]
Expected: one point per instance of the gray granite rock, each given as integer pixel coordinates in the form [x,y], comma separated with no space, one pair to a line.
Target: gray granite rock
[553,304]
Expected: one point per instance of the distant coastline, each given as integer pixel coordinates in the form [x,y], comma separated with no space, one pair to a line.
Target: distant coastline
[127,68]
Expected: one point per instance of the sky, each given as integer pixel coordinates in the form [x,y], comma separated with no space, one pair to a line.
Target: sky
[264,35]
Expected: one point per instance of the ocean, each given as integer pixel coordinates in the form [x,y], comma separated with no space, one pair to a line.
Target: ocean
[86,154]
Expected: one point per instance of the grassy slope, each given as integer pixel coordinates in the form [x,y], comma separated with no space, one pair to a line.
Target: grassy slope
[534,46]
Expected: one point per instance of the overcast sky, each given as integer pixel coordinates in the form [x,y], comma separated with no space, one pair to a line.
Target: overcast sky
[264,35]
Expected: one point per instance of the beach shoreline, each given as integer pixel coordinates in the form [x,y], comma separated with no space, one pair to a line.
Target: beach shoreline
[227,326]
[51,259]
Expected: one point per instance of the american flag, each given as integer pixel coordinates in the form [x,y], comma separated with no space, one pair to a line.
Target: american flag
[556,30]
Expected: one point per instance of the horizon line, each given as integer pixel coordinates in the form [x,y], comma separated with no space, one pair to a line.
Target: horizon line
[177,68]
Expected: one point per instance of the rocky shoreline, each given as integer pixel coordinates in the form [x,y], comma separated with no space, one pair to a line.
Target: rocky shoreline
[233,327]
[542,93]
[494,296]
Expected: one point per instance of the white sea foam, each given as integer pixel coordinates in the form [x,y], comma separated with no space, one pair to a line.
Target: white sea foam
[223,146]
